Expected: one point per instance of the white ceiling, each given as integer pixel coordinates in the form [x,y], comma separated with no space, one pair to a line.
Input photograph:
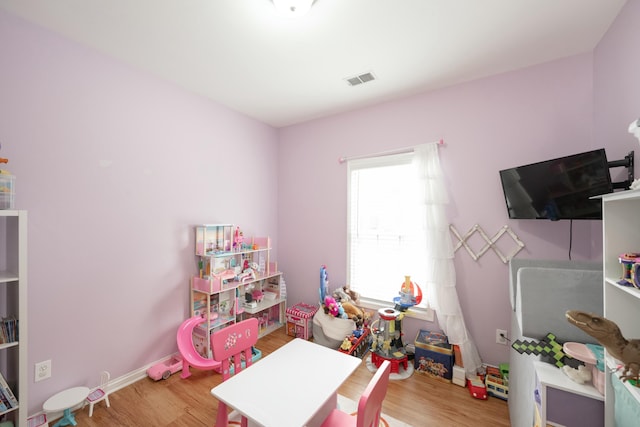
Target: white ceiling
[241,54]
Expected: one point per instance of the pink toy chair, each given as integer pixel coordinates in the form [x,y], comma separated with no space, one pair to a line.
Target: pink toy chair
[38,421]
[233,342]
[100,393]
[369,406]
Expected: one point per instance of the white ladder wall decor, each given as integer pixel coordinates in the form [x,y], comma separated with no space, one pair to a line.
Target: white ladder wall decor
[490,242]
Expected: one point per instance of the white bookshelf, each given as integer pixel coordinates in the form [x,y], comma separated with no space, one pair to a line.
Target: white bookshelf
[13,303]
[621,234]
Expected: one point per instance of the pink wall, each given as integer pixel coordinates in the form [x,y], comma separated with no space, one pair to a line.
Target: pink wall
[490,124]
[617,84]
[115,167]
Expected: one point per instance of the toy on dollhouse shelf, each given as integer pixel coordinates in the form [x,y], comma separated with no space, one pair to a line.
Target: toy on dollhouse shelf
[238,238]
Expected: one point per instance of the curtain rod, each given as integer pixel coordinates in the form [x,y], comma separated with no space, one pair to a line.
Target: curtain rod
[384,153]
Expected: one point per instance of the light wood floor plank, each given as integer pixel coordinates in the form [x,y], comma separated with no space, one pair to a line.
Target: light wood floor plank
[418,400]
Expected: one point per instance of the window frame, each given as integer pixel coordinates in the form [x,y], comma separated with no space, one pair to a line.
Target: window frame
[423,312]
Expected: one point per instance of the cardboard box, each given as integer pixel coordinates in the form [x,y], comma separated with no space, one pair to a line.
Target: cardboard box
[434,355]
[459,376]
[299,318]
[457,355]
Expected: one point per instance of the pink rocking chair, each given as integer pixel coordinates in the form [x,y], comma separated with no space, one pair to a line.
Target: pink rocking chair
[369,405]
[232,343]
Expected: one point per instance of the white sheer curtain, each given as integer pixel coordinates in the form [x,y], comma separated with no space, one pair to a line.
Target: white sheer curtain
[441,276]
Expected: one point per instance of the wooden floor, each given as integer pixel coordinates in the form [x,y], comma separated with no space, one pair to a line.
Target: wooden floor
[419,401]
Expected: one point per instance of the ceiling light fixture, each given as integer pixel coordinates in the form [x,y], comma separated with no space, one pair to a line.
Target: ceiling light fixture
[293,8]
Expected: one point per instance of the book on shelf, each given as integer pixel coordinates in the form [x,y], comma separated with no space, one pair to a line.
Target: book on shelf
[3,404]
[4,400]
[8,330]
[6,393]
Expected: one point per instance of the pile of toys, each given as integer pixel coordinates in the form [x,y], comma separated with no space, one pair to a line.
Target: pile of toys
[358,343]
[494,382]
[342,303]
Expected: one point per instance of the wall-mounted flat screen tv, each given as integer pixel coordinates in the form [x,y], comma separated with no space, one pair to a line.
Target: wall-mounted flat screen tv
[558,189]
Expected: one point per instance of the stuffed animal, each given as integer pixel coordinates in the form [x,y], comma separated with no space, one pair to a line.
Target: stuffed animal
[340,295]
[341,313]
[331,306]
[353,311]
[353,295]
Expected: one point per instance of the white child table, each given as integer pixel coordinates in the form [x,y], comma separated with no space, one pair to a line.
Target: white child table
[64,401]
[296,385]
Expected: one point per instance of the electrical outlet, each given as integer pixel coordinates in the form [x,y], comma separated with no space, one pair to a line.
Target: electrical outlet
[501,336]
[43,370]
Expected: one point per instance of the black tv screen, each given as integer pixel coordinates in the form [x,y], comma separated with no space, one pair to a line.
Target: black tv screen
[558,189]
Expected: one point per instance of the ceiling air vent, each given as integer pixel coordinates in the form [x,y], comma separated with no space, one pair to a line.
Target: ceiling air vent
[362,78]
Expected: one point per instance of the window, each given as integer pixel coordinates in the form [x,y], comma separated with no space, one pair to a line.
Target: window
[385,229]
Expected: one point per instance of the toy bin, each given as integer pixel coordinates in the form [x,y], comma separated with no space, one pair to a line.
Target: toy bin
[7,194]
[299,318]
[434,355]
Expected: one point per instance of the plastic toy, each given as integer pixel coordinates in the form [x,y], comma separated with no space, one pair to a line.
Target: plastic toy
[498,387]
[346,345]
[238,238]
[163,370]
[410,295]
[257,295]
[190,356]
[610,337]
[630,264]
[324,283]
[477,388]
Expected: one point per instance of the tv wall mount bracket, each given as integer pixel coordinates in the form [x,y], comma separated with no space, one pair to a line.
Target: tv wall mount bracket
[627,163]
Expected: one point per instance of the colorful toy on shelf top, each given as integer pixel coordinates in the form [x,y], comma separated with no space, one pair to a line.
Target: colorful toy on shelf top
[630,264]
[238,238]
[410,295]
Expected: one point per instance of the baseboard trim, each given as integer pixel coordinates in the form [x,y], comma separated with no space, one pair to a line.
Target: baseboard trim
[115,384]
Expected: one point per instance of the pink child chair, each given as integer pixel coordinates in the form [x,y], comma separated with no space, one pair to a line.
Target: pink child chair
[235,343]
[369,405]
[38,421]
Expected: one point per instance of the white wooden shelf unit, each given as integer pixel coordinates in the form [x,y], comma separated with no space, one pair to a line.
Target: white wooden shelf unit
[621,234]
[13,304]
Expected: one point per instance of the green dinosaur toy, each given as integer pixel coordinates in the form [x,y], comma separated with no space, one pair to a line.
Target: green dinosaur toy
[608,334]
